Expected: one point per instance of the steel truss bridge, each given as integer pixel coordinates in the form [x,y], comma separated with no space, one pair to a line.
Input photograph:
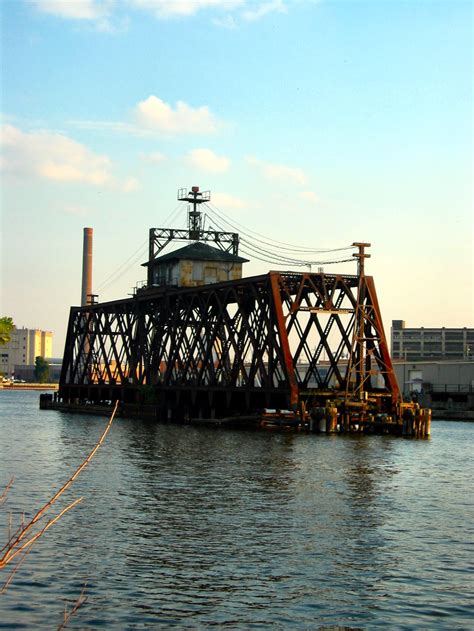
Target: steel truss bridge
[281,340]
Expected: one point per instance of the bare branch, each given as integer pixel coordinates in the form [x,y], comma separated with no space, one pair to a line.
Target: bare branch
[12,552]
[79,602]
[14,548]
[3,496]
[15,570]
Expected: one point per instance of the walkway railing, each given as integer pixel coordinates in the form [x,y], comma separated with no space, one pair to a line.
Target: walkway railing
[452,388]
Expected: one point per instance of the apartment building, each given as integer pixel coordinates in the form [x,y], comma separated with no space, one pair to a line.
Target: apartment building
[25,345]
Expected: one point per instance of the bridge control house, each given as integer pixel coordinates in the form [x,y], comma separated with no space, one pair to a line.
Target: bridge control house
[194,265]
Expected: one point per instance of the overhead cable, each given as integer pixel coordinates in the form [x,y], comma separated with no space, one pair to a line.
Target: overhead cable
[119,272]
[270,256]
[128,263]
[267,240]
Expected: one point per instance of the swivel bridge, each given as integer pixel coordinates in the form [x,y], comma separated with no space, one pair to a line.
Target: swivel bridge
[198,342]
[283,341]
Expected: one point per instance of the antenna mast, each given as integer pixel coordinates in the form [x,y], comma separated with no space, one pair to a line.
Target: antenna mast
[160,237]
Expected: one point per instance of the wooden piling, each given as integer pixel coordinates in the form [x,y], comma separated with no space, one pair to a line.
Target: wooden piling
[331,415]
[427,415]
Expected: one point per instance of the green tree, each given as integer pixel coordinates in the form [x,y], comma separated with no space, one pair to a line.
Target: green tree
[41,370]
[6,326]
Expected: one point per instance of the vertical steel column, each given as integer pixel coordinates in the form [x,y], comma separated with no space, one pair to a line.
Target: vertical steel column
[390,377]
[285,345]
[151,256]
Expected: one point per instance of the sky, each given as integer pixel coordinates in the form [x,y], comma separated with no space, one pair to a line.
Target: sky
[314,124]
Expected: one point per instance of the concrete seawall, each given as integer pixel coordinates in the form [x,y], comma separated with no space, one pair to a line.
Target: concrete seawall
[452,415]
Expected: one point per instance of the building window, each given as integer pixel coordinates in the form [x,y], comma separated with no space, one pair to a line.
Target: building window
[412,346]
[197,270]
[453,346]
[454,336]
[433,346]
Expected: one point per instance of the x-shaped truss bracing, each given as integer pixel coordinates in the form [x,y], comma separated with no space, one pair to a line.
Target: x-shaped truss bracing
[285,336]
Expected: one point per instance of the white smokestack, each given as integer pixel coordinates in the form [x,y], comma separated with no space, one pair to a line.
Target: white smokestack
[87,267]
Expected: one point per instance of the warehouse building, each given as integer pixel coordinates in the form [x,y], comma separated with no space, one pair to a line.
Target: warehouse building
[423,344]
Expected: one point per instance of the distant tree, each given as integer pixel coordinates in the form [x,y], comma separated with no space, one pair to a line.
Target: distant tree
[6,326]
[41,370]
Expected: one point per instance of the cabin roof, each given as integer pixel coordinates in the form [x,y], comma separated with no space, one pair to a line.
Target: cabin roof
[197,251]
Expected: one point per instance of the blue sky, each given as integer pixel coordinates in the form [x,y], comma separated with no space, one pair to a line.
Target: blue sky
[312,123]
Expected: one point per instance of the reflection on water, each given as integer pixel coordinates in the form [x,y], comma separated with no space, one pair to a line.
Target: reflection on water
[195,527]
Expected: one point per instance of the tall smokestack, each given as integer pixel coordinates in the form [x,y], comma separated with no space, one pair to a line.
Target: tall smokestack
[86,267]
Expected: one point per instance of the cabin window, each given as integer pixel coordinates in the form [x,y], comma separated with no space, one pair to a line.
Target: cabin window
[211,275]
[197,270]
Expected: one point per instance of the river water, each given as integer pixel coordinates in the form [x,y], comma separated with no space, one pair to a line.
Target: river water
[196,527]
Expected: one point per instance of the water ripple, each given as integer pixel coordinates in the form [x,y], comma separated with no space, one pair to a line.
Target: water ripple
[193,528]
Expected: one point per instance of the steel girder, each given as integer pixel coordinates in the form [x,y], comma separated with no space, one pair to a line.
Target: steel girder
[287,336]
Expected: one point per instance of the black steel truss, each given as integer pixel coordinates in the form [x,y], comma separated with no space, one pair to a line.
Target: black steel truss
[160,237]
[274,340]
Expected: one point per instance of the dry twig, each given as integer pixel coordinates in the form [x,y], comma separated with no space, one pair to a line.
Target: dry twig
[3,496]
[79,602]
[16,545]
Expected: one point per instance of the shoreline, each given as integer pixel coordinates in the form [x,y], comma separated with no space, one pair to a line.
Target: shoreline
[466,416]
[29,386]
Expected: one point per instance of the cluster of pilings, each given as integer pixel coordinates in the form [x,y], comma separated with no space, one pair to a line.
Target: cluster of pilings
[339,417]
[336,417]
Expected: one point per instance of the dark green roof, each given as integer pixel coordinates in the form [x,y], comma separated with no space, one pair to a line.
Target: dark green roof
[198,251]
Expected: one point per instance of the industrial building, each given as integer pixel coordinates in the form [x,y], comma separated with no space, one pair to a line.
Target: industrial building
[429,376]
[23,348]
[446,386]
[423,344]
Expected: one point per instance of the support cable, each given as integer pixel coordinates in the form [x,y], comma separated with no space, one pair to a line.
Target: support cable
[291,261]
[255,251]
[118,271]
[270,242]
[141,251]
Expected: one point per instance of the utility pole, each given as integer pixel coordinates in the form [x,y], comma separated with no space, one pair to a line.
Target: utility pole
[359,360]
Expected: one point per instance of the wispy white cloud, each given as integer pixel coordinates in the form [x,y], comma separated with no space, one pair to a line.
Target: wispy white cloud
[224,200]
[169,8]
[103,12]
[100,13]
[75,9]
[154,157]
[278,171]
[228,22]
[264,8]
[154,114]
[309,196]
[118,127]
[74,209]
[207,160]
[54,156]
[129,185]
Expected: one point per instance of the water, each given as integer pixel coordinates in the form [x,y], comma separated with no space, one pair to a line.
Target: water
[195,527]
